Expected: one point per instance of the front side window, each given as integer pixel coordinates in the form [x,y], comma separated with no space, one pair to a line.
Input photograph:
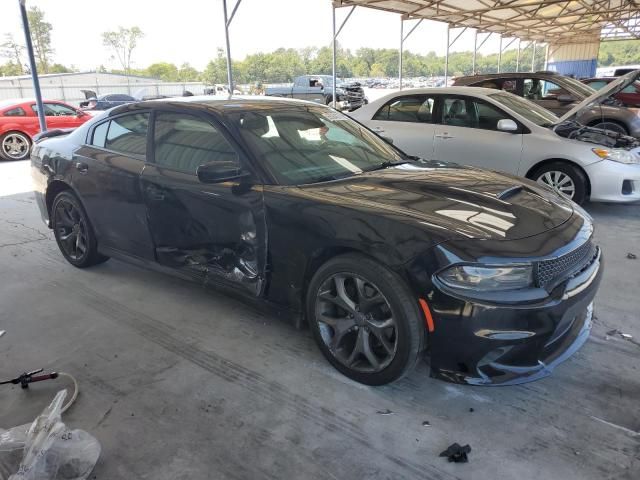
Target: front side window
[15,112]
[56,110]
[307,144]
[408,108]
[184,142]
[597,84]
[128,134]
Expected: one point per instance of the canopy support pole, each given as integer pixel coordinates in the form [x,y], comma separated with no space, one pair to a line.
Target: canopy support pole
[227,23]
[500,54]
[518,55]
[32,66]
[446,59]
[403,38]
[333,46]
[533,57]
[475,51]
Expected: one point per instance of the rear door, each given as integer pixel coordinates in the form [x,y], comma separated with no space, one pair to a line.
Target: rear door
[409,121]
[106,173]
[467,134]
[214,232]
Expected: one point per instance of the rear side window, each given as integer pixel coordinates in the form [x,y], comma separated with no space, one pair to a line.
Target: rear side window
[128,134]
[100,135]
[409,108]
[183,142]
[15,112]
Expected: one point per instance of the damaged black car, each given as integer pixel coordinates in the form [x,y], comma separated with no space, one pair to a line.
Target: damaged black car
[388,258]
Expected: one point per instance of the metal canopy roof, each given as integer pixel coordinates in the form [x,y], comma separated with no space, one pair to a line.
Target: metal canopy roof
[554,21]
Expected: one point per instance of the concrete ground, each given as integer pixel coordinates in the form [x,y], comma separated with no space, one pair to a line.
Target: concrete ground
[178,382]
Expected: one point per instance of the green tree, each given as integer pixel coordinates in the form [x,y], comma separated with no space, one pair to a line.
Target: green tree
[187,73]
[123,42]
[41,38]
[163,71]
[216,70]
[13,51]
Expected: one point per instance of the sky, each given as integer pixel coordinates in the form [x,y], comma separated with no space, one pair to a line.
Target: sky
[192,30]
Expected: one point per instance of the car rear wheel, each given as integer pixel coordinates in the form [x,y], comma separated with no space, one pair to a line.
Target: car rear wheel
[73,231]
[364,319]
[15,146]
[565,179]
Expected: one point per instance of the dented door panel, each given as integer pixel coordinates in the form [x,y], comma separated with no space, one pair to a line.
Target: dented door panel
[214,232]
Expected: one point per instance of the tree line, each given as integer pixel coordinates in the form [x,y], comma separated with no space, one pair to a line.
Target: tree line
[284,64]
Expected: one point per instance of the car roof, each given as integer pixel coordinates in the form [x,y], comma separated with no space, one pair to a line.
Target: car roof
[220,104]
[544,74]
[455,90]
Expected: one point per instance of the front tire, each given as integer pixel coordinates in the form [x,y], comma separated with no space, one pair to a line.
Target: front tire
[15,146]
[564,178]
[73,231]
[364,319]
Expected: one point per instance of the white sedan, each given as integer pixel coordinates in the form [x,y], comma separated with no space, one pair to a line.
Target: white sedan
[497,130]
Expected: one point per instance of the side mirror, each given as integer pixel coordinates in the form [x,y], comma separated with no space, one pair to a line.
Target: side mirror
[387,139]
[507,125]
[219,172]
[80,113]
[564,98]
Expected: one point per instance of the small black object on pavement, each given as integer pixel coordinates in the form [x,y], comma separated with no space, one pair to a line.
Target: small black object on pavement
[456,453]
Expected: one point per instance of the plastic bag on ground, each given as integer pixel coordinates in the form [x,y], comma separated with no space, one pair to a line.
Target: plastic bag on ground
[46,449]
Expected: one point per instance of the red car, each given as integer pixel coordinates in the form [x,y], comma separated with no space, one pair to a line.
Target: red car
[19,123]
[630,96]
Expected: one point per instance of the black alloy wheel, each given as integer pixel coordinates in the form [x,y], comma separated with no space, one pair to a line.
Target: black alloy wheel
[369,330]
[73,231]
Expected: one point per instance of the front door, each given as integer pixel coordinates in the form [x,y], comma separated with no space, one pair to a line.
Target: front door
[468,135]
[60,115]
[548,94]
[106,172]
[214,232]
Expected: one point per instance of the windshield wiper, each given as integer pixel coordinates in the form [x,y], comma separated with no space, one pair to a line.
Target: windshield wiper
[387,164]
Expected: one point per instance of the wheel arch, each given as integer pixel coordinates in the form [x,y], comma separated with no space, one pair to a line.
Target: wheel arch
[542,163]
[53,189]
[609,120]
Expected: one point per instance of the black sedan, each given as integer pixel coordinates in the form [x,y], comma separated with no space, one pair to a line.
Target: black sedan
[104,102]
[387,257]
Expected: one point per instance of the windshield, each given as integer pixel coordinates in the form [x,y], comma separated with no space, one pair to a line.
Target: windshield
[302,144]
[525,108]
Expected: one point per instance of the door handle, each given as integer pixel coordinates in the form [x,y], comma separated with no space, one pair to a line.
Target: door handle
[155,194]
[82,167]
[444,135]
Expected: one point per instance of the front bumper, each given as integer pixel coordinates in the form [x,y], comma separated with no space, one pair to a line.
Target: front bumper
[484,343]
[614,181]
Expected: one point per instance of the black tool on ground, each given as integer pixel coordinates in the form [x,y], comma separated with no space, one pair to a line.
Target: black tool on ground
[26,378]
[456,453]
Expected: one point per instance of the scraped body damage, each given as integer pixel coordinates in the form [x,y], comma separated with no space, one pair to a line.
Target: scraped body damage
[219,242]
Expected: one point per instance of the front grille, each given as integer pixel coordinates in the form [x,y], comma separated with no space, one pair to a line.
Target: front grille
[551,272]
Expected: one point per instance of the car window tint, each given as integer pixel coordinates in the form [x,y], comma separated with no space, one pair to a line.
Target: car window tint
[457,112]
[15,112]
[509,85]
[633,88]
[100,134]
[55,110]
[128,134]
[487,116]
[184,142]
[408,108]
[537,89]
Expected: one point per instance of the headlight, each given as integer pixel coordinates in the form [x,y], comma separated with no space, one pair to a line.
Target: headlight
[487,278]
[616,154]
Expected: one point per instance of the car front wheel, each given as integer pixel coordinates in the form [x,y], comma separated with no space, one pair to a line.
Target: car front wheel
[364,319]
[73,231]
[565,179]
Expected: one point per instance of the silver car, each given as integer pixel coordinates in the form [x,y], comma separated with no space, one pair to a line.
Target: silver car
[501,131]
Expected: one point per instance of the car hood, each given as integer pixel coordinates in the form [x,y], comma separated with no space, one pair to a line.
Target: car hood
[457,201]
[601,95]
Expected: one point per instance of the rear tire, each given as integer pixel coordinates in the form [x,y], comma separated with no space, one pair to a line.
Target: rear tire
[15,146]
[73,231]
[564,178]
[364,319]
